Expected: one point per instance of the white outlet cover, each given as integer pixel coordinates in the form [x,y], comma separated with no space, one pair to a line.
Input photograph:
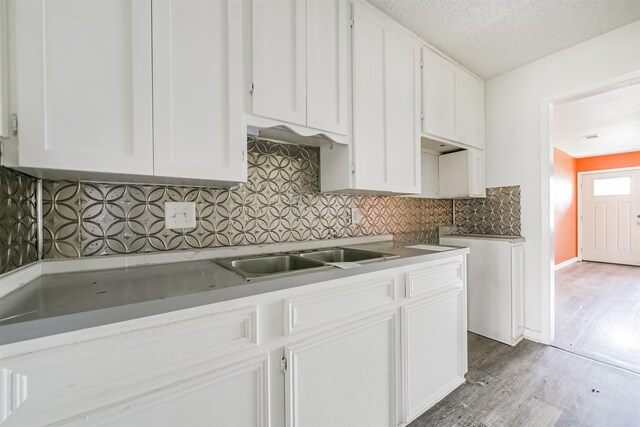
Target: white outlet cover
[355,216]
[179,215]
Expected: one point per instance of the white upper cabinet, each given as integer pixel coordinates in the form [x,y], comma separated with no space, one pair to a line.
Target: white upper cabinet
[328,65]
[300,64]
[84,85]
[452,102]
[93,104]
[197,90]
[386,110]
[279,64]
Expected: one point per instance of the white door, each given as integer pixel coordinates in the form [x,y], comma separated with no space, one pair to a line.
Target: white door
[279,60]
[344,377]
[386,104]
[83,71]
[327,64]
[611,217]
[197,90]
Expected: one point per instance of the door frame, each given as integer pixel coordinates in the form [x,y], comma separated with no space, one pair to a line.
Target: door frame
[546,335]
[580,198]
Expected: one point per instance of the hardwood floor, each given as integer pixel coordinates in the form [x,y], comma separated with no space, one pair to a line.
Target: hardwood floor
[598,312]
[537,385]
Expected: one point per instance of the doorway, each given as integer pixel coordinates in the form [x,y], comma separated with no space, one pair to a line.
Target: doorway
[596,224]
[609,215]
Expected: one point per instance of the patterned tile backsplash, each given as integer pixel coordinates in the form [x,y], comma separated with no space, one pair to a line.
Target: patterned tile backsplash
[498,214]
[280,202]
[18,220]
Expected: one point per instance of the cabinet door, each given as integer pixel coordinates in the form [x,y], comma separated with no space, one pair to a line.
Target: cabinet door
[83,71]
[438,95]
[369,100]
[469,110]
[477,173]
[327,64]
[434,349]
[197,58]
[344,377]
[231,396]
[279,59]
[402,85]
[386,104]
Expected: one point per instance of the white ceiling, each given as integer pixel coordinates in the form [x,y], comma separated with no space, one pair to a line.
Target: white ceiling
[490,37]
[614,115]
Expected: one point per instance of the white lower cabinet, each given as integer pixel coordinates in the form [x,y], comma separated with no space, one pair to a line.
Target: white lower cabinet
[359,351]
[239,391]
[434,336]
[344,377]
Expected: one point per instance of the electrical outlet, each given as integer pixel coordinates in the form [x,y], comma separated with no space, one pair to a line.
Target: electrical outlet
[355,216]
[179,215]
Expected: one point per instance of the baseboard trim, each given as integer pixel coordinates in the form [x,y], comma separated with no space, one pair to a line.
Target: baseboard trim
[565,263]
[531,335]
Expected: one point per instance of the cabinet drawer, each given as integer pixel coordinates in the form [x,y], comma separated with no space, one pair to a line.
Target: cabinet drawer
[90,372]
[434,278]
[307,311]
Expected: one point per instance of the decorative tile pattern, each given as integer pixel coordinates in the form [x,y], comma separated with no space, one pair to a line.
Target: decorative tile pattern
[498,214]
[18,220]
[279,203]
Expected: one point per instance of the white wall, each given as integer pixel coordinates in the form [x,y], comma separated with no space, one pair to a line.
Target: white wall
[515,142]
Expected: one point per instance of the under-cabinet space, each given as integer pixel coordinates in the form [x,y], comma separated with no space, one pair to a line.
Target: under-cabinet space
[461,174]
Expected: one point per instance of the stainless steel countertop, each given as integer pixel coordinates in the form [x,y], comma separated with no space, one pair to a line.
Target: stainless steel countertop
[67,302]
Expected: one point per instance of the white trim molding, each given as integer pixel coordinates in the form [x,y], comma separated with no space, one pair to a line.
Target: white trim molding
[564,264]
[547,300]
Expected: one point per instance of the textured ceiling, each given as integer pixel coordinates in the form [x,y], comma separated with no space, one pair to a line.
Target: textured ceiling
[490,37]
[614,115]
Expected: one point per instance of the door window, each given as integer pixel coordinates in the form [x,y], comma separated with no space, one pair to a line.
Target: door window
[612,186]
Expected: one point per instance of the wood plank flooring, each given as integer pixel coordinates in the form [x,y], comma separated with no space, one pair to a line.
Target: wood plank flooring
[537,385]
[598,312]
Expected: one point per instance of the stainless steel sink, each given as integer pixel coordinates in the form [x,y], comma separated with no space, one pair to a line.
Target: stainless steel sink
[270,265]
[345,255]
[296,262]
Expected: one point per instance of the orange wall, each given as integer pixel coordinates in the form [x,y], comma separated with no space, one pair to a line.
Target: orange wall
[565,182]
[613,161]
[565,204]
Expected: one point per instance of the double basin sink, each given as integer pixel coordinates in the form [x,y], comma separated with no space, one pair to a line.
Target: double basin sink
[294,262]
